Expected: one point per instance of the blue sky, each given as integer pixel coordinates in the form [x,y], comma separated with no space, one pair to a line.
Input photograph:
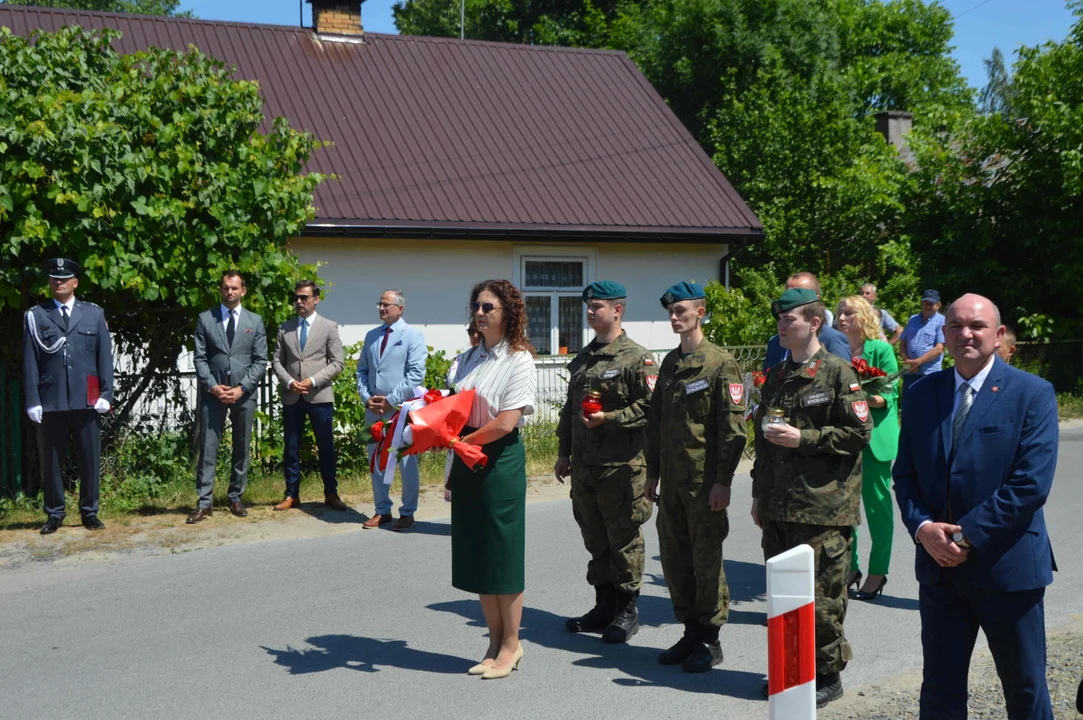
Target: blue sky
[980,25]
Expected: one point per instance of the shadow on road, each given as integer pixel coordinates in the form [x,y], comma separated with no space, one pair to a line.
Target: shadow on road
[334,517]
[747,581]
[641,663]
[330,652]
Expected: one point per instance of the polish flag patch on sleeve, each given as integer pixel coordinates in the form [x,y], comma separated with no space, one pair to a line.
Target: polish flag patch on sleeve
[861,409]
[854,387]
[737,393]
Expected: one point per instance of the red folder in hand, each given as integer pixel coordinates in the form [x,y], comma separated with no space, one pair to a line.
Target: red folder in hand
[93,390]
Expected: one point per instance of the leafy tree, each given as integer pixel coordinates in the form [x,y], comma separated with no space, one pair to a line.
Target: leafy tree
[996,96]
[578,23]
[151,171]
[139,7]
[997,203]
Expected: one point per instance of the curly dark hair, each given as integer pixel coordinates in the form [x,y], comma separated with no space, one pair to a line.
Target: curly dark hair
[514,322]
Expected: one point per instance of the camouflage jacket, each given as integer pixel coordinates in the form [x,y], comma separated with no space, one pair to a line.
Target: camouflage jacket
[696,428]
[819,482]
[619,371]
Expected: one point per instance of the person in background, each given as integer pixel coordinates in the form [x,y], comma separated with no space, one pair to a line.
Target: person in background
[922,341]
[977,458]
[231,360]
[390,368]
[830,338]
[695,437]
[858,320]
[603,453]
[1007,347]
[488,504]
[308,357]
[890,329]
[68,386]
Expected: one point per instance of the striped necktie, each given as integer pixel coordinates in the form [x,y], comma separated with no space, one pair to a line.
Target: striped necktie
[965,402]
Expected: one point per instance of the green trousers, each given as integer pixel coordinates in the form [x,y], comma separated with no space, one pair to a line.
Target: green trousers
[879,512]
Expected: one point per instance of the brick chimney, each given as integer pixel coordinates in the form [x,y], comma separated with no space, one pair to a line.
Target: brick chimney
[337,17]
[895,125]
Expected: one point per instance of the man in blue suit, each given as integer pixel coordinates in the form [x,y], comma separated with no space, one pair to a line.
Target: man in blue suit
[976,459]
[391,365]
[835,342]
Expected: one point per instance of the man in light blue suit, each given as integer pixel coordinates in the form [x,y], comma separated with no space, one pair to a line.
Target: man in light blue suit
[391,365]
[977,454]
[835,342]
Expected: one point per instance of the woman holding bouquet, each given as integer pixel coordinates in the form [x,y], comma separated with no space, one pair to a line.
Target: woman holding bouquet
[488,505]
[859,322]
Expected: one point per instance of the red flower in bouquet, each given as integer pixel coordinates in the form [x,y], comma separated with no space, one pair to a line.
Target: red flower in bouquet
[758,378]
[874,381]
[437,426]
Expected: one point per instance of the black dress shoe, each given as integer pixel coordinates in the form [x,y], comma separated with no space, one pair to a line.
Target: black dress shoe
[828,689]
[238,509]
[51,525]
[704,657]
[91,522]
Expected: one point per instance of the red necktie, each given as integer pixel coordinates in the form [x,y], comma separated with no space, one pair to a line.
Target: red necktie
[383,345]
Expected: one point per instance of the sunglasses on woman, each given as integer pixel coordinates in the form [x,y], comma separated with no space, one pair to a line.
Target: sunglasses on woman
[485,308]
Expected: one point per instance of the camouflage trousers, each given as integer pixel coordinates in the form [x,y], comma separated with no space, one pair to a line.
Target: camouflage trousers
[609,506]
[690,539]
[831,553]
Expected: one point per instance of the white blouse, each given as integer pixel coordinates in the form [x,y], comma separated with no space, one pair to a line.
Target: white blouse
[501,379]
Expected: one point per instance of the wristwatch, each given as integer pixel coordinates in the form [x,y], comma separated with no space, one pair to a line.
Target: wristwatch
[960,540]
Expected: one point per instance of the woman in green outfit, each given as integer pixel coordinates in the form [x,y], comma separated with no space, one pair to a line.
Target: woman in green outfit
[488,505]
[859,322]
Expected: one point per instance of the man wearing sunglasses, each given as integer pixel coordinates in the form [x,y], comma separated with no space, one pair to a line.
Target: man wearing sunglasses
[391,366]
[307,358]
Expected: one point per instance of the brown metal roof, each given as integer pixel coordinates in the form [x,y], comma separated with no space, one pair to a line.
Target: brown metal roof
[451,138]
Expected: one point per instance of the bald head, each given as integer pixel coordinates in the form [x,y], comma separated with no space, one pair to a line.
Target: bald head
[973,331]
[803,280]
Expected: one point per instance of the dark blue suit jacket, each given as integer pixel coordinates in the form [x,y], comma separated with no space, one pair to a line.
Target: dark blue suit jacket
[835,342]
[1000,475]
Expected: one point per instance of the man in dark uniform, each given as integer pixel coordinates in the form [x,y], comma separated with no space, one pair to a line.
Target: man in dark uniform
[603,450]
[695,437]
[806,480]
[68,383]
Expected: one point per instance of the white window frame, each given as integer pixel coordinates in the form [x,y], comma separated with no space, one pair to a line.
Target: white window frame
[587,256]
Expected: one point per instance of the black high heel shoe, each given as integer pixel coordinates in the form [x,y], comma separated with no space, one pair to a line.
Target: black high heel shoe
[862,595]
[854,580]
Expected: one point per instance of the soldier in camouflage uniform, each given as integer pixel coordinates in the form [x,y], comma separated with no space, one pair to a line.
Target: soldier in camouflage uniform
[695,437]
[806,481]
[604,453]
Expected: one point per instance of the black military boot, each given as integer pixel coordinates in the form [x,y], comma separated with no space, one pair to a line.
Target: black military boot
[707,652]
[684,647]
[626,623]
[599,617]
[828,688]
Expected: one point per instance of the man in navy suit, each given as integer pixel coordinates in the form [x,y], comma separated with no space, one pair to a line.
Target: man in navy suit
[835,342]
[976,459]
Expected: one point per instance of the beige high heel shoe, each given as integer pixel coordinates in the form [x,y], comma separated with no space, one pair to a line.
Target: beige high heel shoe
[478,669]
[491,674]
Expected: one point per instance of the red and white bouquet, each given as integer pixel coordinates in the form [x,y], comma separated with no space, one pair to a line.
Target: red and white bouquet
[874,381]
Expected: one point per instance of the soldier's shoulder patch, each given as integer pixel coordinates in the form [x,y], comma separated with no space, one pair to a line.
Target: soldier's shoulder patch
[854,387]
[652,380]
[648,361]
[737,393]
[861,409]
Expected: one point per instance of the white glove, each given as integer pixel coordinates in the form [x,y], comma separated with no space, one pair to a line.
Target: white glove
[102,406]
[34,414]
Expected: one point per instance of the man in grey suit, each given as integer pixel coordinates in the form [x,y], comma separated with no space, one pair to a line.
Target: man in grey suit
[230,360]
[307,358]
[391,365]
[68,384]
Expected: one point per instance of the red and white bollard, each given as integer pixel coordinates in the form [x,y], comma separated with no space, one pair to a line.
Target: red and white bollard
[791,635]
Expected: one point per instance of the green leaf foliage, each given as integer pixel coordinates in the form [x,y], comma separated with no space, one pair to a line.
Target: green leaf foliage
[156,172]
[139,7]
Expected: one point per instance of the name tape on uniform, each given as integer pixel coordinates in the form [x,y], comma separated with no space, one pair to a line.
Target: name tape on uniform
[696,386]
[610,374]
[813,399]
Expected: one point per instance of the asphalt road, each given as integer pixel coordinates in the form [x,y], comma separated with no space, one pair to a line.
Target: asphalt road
[367,624]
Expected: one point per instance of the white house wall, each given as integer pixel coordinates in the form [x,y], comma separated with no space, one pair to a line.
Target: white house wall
[436,277]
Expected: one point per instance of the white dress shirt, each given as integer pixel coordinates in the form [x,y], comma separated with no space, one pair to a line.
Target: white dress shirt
[226,313]
[70,304]
[975,384]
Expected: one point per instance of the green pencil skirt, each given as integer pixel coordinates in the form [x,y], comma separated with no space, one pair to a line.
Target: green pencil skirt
[488,520]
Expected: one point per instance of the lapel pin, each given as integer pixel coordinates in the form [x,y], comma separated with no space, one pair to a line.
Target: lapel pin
[996,388]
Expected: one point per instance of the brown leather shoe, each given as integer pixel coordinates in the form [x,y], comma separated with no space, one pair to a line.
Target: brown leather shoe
[198,515]
[334,502]
[238,509]
[376,521]
[405,522]
[289,502]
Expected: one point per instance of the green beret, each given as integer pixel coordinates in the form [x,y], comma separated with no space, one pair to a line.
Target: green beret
[792,298]
[604,290]
[681,291]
